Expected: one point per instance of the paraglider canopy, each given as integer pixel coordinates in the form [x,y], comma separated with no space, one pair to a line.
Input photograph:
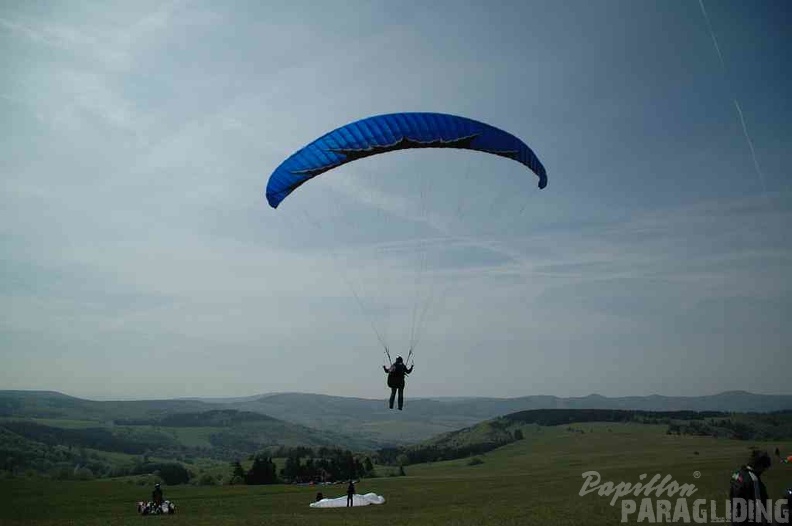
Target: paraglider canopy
[357,500]
[396,131]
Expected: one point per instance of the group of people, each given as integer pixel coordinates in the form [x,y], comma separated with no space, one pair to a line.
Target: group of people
[157,505]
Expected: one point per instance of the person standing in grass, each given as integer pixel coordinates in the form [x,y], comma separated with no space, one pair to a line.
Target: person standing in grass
[156,495]
[350,494]
[747,487]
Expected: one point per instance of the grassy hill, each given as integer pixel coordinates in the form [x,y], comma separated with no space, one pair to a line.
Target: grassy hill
[67,437]
[534,481]
[492,434]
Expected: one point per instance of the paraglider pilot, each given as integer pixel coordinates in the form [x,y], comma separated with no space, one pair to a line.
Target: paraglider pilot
[396,374]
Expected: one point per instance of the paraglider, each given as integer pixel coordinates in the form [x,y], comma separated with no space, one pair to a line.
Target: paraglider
[396,131]
[387,133]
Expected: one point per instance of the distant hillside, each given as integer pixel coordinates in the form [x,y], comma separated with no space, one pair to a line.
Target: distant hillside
[729,401]
[359,421]
[108,447]
[67,437]
[213,418]
[51,404]
[425,418]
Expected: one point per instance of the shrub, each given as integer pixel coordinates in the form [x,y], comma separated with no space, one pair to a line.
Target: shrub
[206,479]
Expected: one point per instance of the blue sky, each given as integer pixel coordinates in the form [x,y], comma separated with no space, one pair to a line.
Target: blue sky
[141,260]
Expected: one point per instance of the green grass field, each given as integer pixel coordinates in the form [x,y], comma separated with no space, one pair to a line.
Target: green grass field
[533,481]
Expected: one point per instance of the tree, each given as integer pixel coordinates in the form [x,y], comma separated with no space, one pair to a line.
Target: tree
[293,468]
[206,479]
[172,473]
[236,470]
[262,471]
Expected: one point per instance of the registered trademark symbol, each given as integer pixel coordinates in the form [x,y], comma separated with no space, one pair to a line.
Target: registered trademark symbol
[696,474]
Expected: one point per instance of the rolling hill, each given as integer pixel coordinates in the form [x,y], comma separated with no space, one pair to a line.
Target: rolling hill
[356,422]
[424,418]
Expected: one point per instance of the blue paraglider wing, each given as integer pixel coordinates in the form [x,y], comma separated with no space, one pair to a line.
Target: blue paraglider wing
[396,131]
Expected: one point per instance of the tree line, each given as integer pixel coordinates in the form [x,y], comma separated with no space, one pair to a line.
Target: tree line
[304,465]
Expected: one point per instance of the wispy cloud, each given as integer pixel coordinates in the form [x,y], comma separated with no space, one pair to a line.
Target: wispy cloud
[84,43]
[700,243]
[110,44]
[134,225]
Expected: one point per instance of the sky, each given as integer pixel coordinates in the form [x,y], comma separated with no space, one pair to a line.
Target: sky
[140,259]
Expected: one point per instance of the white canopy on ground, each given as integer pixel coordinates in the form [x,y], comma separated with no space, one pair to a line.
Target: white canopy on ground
[357,500]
